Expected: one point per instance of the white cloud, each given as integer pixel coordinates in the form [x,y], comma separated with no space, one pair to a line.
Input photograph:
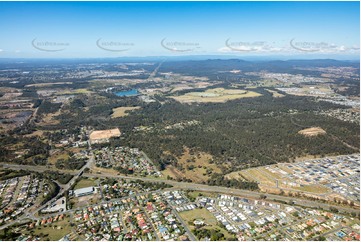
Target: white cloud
[252,48]
[224,49]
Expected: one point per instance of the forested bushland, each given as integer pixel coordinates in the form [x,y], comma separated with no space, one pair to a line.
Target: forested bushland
[244,133]
[48,107]
[34,149]
[240,133]
[71,163]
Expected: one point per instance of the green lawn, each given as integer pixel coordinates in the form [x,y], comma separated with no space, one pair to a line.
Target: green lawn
[52,230]
[195,194]
[85,182]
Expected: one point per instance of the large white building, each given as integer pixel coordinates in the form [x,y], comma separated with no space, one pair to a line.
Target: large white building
[84,191]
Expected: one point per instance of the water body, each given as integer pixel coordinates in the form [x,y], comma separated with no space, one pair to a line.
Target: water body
[132,92]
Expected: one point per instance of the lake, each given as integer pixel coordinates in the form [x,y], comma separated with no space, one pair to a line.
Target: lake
[127,93]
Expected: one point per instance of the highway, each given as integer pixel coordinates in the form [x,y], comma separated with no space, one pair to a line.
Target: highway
[233,191]
[191,186]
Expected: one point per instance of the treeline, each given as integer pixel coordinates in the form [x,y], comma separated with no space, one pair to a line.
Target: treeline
[220,180]
[71,163]
[9,174]
[152,185]
[53,192]
[211,234]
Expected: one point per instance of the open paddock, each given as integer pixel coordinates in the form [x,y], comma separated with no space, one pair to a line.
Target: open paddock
[216,95]
[123,111]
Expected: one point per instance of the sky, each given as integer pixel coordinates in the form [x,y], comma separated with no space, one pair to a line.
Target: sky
[116,29]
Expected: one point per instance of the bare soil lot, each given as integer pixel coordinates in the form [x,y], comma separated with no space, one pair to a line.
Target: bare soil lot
[314,131]
[104,134]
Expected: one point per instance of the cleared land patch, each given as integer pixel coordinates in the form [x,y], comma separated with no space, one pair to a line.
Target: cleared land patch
[314,188]
[123,111]
[195,167]
[203,214]
[85,182]
[75,91]
[55,231]
[48,84]
[50,118]
[275,94]
[259,175]
[314,131]
[268,179]
[215,95]
[104,134]
[59,155]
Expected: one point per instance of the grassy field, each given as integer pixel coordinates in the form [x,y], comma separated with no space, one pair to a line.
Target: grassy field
[204,214]
[284,168]
[200,163]
[78,202]
[259,173]
[314,188]
[199,213]
[275,94]
[75,91]
[100,170]
[268,179]
[60,155]
[195,194]
[55,230]
[215,95]
[234,175]
[85,182]
[259,176]
[50,118]
[47,84]
[122,111]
